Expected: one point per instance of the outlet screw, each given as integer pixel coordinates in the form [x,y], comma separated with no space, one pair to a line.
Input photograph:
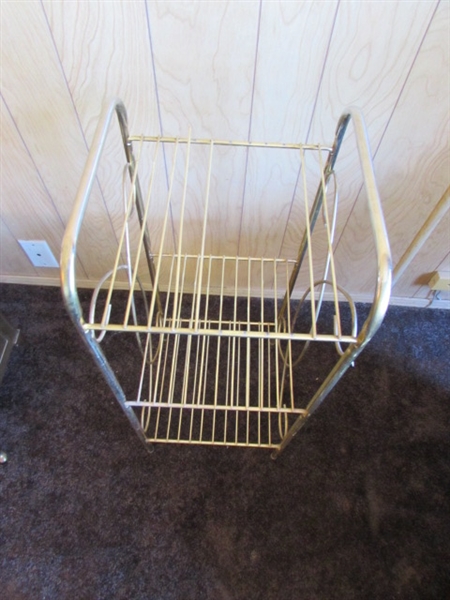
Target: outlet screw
[3,457]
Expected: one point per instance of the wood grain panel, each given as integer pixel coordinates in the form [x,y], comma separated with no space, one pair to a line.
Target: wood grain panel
[26,208]
[367,71]
[434,255]
[413,160]
[288,70]
[372,49]
[444,265]
[204,61]
[205,57]
[35,90]
[12,257]
[227,70]
[269,188]
[292,48]
[105,52]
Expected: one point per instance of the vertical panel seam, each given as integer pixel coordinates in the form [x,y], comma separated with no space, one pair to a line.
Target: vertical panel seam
[327,52]
[152,58]
[158,108]
[407,77]
[258,28]
[30,155]
[413,62]
[78,119]
[28,151]
[66,81]
[294,192]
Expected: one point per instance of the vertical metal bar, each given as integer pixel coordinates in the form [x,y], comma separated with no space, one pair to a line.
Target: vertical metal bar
[238,379]
[233,355]
[219,341]
[160,376]
[309,247]
[163,374]
[247,361]
[205,221]
[330,249]
[176,349]
[120,244]
[203,381]
[181,229]
[289,346]
[269,393]
[228,384]
[144,363]
[261,356]
[207,325]
[163,238]
[277,342]
[141,238]
[128,146]
[247,358]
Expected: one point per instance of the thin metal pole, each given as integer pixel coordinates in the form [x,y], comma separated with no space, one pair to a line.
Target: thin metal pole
[422,235]
[128,146]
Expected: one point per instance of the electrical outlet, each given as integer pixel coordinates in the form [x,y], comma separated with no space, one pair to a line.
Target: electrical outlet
[39,253]
[440,282]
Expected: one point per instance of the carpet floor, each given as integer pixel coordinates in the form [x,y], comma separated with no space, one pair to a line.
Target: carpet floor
[356,507]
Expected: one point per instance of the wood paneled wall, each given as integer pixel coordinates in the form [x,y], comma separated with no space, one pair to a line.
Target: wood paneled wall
[274,71]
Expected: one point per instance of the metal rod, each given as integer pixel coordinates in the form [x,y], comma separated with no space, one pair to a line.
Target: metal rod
[422,235]
[128,146]
[180,232]
[141,239]
[308,247]
[236,143]
[330,254]
[205,221]
[120,244]
[163,235]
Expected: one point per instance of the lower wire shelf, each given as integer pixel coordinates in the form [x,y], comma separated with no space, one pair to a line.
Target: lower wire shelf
[216,390]
[218,339]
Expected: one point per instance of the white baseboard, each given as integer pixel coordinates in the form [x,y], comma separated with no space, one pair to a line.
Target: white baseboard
[365,298]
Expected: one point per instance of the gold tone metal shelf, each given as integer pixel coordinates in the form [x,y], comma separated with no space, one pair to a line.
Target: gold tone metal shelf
[208,306]
[220,335]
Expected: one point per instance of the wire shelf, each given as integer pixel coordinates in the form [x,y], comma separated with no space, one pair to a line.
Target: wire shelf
[220,333]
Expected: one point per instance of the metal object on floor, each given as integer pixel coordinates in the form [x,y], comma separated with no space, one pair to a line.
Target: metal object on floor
[8,339]
[221,337]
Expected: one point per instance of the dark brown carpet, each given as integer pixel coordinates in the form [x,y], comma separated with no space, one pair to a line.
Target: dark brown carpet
[357,507]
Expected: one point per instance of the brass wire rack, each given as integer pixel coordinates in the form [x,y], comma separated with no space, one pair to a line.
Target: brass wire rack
[219,334]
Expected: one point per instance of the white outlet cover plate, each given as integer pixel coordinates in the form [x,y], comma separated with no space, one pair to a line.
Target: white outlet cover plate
[39,253]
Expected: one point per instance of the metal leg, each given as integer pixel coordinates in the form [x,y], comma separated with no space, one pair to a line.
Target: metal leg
[8,339]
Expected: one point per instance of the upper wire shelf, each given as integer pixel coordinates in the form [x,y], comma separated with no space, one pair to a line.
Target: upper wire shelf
[197,275]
